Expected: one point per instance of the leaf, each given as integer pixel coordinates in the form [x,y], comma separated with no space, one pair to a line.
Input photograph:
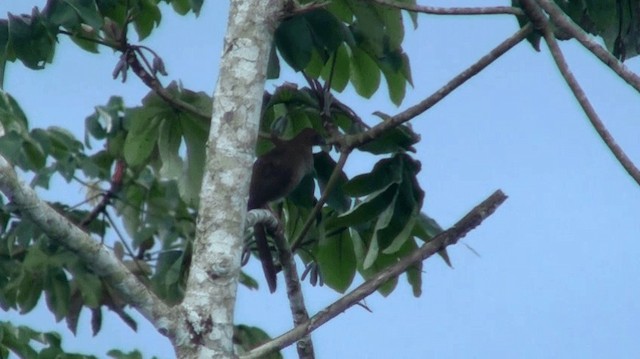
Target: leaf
[365,74]
[366,210]
[341,70]
[383,174]
[337,261]
[426,227]
[324,166]
[195,136]
[294,42]
[31,40]
[29,291]
[12,117]
[57,292]
[273,68]
[326,30]
[396,83]
[118,354]
[169,141]
[147,17]
[196,5]
[142,137]
[414,278]
[402,236]
[396,140]
[246,338]
[340,8]
[88,12]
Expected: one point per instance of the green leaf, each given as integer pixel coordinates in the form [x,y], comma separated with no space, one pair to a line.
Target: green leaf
[294,41]
[337,261]
[142,136]
[365,74]
[396,84]
[426,228]
[196,5]
[182,7]
[57,292]
[169,142]
[34,154]
[29,291]
[195,136]
[407,225]
[247,338]
[324,166]
[118,354]
[12,117]
[341,70]
[90,288]
[394,28]
[146,18]
[88,12]
[326,30]
[397,140]
[31,40]
[248,281]
[273,68]
[383,174]
[341,9]
[414,278]
[366,210]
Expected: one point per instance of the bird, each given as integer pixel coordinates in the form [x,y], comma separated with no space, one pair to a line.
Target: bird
[276,174]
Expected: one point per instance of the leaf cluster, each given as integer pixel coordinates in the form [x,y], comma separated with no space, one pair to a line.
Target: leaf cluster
[32,38]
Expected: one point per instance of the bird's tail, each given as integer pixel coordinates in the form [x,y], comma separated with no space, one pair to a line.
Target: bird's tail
[265,256]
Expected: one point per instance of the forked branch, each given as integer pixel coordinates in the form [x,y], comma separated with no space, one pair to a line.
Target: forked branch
[541,22]
[451,236]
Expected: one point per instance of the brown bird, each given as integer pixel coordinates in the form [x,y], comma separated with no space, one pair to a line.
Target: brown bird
[275,175]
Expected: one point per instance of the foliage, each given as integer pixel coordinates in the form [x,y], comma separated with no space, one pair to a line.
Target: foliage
[28,343]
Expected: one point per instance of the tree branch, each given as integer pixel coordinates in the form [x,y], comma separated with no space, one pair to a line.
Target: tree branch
[356,140]
[540,21]
[294,293]
[95,255]
[442,240]
[563,22]
[434,10]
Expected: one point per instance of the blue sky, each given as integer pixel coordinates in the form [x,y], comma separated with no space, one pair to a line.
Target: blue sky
[558,266]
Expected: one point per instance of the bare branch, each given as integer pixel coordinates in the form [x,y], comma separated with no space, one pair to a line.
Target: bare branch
[353,141]
[563,22]
[95,255]
[434,10]
[294,293]
[442,240]
[541,22]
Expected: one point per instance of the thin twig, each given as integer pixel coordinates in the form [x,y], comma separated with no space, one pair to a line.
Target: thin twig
[434,10]
[442,240]
[563,22]
[353,141]
[116,185]
[540,21]
[153,83]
